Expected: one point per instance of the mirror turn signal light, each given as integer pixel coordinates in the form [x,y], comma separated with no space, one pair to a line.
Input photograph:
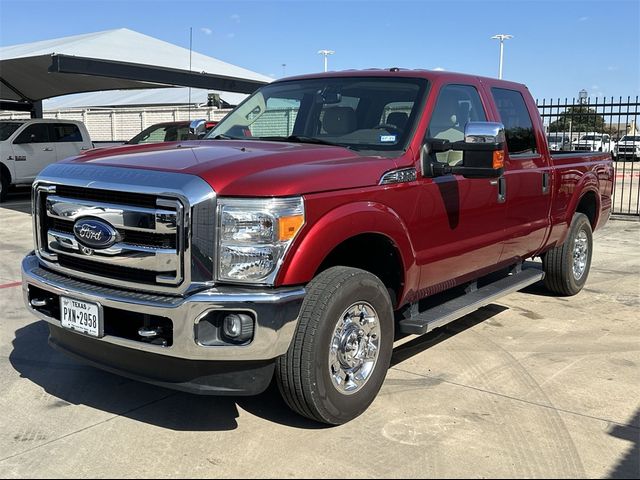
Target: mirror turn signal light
[289,226]
[498,159]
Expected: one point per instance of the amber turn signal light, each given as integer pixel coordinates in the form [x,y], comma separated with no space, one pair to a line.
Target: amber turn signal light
[289,226]
[498,159]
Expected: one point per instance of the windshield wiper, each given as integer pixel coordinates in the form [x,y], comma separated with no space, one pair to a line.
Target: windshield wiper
[302,139]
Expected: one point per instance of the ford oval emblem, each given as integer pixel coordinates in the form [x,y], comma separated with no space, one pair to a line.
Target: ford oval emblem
[95,234]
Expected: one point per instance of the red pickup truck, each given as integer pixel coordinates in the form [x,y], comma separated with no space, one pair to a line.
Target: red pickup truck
[321,219]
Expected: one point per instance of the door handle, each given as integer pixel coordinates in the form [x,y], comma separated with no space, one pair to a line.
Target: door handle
[545,183]
[502,190]
[47,149]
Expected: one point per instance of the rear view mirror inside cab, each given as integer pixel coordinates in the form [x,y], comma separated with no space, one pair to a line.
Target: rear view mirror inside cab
[328,96]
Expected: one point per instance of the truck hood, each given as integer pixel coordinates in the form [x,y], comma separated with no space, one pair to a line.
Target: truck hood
[250,168]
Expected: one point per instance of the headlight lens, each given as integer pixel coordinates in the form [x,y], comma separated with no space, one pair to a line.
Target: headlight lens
[255,234]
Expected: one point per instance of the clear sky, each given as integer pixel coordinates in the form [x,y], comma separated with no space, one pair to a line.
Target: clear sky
[559,47]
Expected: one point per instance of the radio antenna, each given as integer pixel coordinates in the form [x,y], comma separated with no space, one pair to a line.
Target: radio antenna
[190,59]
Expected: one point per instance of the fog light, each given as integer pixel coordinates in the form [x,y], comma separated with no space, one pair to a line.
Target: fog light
[237,327]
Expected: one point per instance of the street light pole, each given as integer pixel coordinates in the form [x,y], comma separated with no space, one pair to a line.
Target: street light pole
[325,54]
[502,37]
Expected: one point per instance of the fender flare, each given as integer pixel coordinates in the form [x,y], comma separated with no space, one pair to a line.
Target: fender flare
[588,184]
[338,225]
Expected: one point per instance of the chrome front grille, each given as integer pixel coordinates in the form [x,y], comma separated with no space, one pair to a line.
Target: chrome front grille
[154,247]
[149,243]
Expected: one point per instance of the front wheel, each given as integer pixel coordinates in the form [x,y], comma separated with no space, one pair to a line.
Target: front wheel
[567,266]
[340,353]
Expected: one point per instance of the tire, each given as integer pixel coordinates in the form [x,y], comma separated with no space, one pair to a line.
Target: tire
[567,266]
[4,184]
[307,382]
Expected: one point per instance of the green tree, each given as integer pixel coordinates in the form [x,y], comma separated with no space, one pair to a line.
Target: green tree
[578,118]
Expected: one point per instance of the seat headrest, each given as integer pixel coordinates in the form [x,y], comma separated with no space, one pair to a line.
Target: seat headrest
[339,120]
[399,119]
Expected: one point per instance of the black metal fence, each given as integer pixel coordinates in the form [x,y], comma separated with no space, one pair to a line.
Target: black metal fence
[600,124]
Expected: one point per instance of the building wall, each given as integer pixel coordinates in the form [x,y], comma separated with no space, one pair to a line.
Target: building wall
[120,124]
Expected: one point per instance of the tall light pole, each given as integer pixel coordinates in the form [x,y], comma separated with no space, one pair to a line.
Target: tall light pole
[284,69]
[325,54]
[502,37]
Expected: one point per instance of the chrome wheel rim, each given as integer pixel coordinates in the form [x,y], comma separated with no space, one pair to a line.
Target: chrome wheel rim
[354,348]
[580,254]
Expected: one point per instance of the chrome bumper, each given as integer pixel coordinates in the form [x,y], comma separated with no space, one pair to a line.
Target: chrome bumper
[276,312]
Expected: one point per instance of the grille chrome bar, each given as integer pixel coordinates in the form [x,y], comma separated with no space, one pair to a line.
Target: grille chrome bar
[122,254]
[129,217]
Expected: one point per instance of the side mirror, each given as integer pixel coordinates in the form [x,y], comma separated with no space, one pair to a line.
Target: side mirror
[197,128]
[482,148]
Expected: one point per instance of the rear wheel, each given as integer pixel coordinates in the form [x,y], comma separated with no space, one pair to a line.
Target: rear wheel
[4,184]
[342,347]
[567,266]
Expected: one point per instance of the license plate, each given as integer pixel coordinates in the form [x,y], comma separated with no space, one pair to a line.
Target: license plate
[81,316]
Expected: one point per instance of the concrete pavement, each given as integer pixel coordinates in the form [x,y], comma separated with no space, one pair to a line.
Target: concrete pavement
[531,386]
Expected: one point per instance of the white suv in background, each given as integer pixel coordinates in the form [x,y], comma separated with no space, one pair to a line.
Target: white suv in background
[27,146]
[628,148]
[594,142]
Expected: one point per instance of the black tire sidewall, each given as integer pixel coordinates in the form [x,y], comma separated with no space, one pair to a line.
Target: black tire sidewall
[336,407]
[580,223]
[4,184]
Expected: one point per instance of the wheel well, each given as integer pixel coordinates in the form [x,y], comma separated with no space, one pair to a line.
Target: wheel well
[374,253]
[4,172]
[589,206]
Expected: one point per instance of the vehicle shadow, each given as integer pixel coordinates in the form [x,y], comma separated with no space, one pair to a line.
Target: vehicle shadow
[71,382]
[419,344]
[18,199]
[629,465]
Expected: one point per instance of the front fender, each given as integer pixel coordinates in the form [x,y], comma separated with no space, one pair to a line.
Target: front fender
[338,225]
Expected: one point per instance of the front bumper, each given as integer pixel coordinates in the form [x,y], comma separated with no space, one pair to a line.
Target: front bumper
[275,312]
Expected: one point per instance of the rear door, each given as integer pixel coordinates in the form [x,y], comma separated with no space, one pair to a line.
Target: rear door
[68,139]
[32,151]
[527,175]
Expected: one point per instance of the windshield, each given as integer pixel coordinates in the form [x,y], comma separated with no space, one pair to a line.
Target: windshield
[162,133]
[361,113]
[630,138]
[7,129]
[596,138]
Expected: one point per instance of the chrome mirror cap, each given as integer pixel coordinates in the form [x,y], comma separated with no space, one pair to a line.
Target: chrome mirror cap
[484,132]
[197,126]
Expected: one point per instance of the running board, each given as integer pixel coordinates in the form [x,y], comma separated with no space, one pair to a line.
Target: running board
[447,312]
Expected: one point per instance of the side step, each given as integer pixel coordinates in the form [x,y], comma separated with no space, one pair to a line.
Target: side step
[447,312]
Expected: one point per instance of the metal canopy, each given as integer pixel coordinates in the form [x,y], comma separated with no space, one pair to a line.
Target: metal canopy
[112,60]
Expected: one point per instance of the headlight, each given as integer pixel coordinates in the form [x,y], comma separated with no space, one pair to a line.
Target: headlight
[254,236]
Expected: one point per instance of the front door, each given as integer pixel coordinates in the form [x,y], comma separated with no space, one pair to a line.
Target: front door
[461,220]
[32,151]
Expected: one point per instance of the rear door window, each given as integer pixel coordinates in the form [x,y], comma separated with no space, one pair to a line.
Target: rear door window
[518,127]
[65,132]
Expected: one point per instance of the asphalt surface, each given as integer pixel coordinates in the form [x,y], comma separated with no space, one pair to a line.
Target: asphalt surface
[530,386]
